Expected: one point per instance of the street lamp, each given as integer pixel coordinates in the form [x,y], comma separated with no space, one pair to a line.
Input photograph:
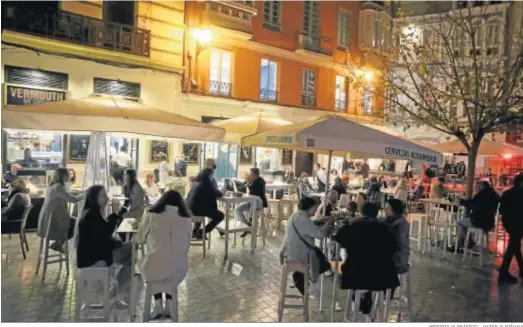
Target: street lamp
[203,38]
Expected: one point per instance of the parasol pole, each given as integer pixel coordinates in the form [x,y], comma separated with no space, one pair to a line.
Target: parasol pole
[324,241]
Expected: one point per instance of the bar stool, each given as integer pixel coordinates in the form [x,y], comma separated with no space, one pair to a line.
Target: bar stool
[403,302]
[380,305]
[199,242]
[481,239]
[170,289]
[289,268]
[420,221]
[86,278]
[43,254]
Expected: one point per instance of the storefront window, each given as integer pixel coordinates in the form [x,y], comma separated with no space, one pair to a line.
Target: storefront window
[34,150]
[268,160]
[226,156]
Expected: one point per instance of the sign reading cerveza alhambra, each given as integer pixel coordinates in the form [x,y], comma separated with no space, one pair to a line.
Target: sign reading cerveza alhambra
[279,139]
[408,154]
[17,95]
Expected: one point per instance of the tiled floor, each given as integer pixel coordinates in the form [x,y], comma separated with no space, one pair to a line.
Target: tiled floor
[245,289]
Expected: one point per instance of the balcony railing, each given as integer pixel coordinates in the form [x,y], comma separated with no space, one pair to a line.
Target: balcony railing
[220,88]
[312,43]
[82,30]
[308,100]
[268,95]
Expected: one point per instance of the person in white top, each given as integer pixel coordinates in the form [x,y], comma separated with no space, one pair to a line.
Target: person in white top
[122,158]
[166,228]
[163,170]
[149,187]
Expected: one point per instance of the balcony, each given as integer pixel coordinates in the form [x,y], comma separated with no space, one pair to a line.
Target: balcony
[308,100]
[231,15]
[268,95]
[221,89]
[72,28]
[312,44]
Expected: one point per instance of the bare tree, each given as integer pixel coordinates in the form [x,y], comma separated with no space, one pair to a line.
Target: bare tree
[458,72]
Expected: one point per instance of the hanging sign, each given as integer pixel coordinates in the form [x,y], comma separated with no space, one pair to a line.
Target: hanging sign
[18,95]
[412,155]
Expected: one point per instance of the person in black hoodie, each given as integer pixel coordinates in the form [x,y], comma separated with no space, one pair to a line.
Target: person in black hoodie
[256,185]
[202,202]
[484,206]
[511,211]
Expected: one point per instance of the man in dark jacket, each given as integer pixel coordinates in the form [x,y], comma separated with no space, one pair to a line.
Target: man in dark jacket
[484,206]
[370,255]
[202,201]
[256,185]
[511,211]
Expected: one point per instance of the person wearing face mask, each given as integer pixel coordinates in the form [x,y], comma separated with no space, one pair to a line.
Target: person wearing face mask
[55,220]
[211,164]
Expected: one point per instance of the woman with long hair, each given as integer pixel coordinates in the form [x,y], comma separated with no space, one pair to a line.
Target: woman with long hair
[133,191]
[55,220]
[17,200]
[166,229]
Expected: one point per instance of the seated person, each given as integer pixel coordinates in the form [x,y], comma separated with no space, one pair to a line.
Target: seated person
[150,187]
[17,201]
[166,228]
[72,176]
[135,194]
[332,199]
[483,207]
[399,228]
[352,209]
[95,244]
[418,191]
[256,185]
[304,187]
[370,249]
[374,191]
[339,187]
[382,181]
[361,199]
[10,176]
[438,191]
[177,183]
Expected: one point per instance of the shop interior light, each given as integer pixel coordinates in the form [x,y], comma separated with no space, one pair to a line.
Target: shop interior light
[507,156]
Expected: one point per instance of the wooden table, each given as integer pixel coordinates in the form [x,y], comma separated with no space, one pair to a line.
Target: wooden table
[277,186]
[253,200]
[128,229]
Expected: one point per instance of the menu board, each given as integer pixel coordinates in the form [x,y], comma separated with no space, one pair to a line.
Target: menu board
[286,157]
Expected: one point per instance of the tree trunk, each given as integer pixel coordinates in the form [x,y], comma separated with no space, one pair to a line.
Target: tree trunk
[471,168]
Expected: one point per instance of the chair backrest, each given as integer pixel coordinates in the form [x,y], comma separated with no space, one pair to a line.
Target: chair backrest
[344,201]
[402,195]
[27,210]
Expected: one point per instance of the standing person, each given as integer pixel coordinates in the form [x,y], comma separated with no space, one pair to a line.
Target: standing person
[365,169]
[202,202]
[512,216]
[320,177]
[54,215]
[256,185]
[123,159]
[163,169]
[166,229]
[374,191]
[298,245]
[181,166]
[133,191]
[369,264]
[399,228]
[484,206]
[95,244]
[10,176]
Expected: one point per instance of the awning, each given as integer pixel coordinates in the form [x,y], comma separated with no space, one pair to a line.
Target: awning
[107,114]
[240,127]
[340,135]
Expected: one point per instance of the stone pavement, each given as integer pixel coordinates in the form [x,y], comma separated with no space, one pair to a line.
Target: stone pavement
[246,289]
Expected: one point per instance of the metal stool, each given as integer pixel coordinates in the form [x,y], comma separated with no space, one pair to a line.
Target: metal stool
[289,268]
[85,278]
[403,302]
[172,290]
[380,305]
[43,254]
[199,242]
[481,239]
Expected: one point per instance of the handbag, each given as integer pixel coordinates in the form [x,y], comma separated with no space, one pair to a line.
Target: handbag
[325,264]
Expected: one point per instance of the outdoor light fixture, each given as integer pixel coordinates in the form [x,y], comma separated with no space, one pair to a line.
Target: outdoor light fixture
[507,156]
[202,36]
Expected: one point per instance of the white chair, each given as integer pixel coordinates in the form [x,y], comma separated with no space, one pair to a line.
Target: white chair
[481,239]
[401,302]
[199,242]
[287,269]
[86,280]
[380,305]
[172,290]
[344,201]
[226,228]
[46,259]
[420,220]
[439,227]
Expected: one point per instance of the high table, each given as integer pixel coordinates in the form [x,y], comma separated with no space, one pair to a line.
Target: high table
[277,186]
[236,201]
[128,228]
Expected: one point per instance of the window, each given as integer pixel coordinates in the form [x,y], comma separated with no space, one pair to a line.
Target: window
[457,42]
[308,88]
[343,29]
[36,78]
[367,101]
[271,15]
[492,39]
[220,72]
[269,73]
[112,87]
[341,93]
[119,12]
[311,17]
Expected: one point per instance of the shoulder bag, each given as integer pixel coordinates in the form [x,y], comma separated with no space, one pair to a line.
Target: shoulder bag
[325,264]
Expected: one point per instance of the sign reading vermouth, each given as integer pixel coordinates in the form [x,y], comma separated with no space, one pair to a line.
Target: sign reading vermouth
[17,95]
[279,139]
[413,155]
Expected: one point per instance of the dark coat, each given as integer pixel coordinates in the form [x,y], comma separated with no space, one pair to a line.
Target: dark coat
[257,188]
[511,210]
[370,251]
[203,196]
[484,206]
[94,238]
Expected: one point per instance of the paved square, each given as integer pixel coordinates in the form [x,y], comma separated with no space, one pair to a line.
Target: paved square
[246,289]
